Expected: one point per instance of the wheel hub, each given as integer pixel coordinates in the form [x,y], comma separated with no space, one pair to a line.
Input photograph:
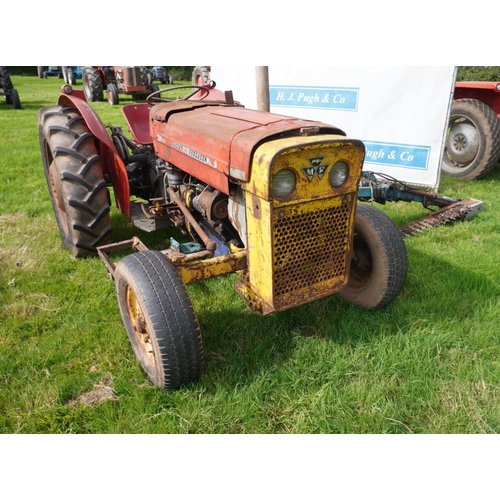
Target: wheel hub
[139,326]
[463,143]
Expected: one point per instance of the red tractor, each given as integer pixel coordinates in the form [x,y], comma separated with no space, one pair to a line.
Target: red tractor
[115,80]
[472,147]
[269,197]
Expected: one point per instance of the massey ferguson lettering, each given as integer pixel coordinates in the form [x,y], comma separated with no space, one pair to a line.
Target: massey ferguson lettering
[192,153]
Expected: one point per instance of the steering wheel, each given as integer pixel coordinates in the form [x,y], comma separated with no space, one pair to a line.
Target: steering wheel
[154,97]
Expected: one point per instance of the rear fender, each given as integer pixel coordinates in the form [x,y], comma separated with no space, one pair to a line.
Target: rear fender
[110,159]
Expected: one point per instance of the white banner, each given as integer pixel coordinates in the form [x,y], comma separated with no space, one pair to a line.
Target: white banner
[400,113]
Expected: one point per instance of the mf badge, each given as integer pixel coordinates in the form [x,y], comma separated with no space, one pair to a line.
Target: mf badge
[315,168]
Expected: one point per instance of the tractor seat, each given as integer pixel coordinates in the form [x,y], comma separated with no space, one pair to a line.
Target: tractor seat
[137,117]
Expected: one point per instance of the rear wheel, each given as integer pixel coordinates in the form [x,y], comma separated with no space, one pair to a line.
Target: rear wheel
[159,319]
[152,88]
[200,76]
[379,263]
[92,84]
[472,147]
[71,76]
[6,82]
[68,75]
[75,179]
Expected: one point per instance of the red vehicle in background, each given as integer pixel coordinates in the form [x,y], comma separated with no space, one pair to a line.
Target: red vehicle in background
[115,80]
[472,147]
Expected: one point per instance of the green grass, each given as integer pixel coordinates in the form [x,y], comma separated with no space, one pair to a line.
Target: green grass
[429,363]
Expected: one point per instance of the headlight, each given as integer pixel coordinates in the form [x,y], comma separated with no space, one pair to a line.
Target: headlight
[339,174]
[283,183]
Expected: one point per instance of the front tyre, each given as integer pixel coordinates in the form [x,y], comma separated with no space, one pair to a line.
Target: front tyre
[472,146]
[14,96]
[112,92]
[75,180]
[159,319]
[379,263]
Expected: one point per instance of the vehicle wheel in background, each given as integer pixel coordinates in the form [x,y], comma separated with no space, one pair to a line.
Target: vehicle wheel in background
[472,146]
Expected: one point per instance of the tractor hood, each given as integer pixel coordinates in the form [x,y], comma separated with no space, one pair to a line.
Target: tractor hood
[215,142]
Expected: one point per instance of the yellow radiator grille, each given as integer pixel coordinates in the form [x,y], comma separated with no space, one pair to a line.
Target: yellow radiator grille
[311,250]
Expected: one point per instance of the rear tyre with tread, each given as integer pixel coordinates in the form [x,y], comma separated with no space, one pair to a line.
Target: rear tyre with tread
[92,84]
[379,263]
[68,75]
[200,76]
[159,318]
[71,76]
[472,147]
[75,180]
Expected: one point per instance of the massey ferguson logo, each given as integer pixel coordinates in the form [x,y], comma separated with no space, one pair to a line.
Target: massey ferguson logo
[316,168]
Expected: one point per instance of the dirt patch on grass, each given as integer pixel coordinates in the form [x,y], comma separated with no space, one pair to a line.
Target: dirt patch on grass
[11,218]
[101,392]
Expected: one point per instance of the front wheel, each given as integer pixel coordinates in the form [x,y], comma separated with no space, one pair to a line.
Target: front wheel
[16,102]
[159,318]
[472,146]
[112,92]
[379,263]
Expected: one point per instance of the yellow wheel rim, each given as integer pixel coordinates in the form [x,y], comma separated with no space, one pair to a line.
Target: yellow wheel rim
[138,323]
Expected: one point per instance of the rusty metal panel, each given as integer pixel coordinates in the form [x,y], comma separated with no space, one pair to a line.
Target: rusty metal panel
[132,77]
[312,245]
[184,134]
[209,268]
[299,246]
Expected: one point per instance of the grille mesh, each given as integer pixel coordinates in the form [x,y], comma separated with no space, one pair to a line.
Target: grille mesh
[310,248]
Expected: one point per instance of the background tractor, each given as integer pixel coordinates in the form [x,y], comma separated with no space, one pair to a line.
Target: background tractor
[472,147]
[115,80]
[160,73]
[271,198]
[46,71]
[8,91]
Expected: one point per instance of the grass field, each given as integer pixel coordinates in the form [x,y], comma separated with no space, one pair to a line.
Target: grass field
[429,363]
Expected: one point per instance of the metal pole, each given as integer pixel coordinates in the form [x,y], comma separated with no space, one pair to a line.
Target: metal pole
[262,81]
